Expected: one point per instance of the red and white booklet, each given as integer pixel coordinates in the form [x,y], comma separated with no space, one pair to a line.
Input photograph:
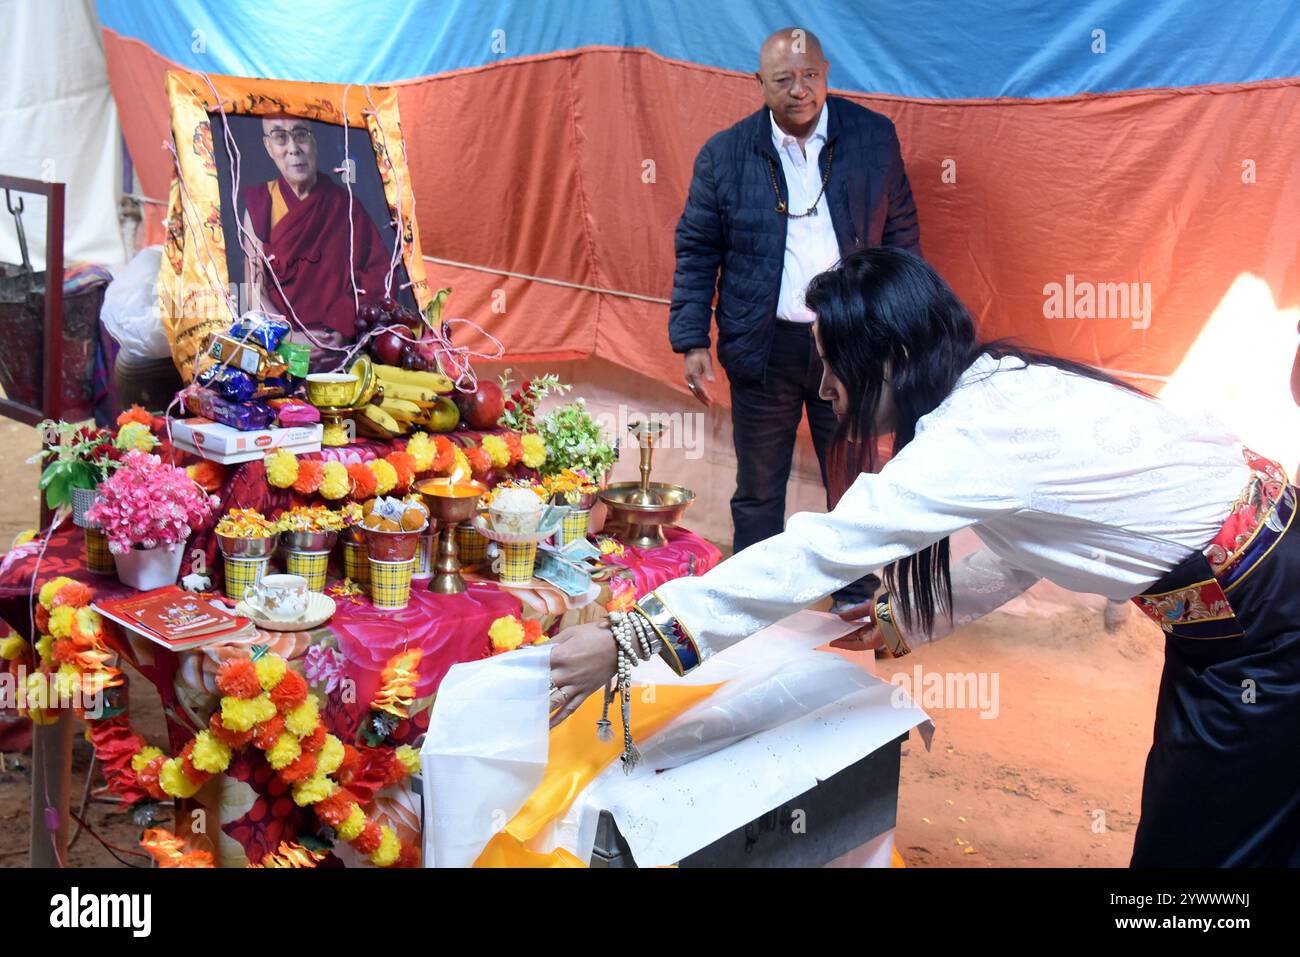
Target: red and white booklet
[176,619]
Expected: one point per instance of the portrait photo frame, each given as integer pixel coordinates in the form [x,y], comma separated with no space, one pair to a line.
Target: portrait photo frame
[196,298]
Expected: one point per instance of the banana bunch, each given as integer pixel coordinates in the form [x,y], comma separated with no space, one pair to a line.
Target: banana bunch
[407,400]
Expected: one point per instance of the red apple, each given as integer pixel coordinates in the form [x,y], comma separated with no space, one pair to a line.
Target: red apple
[481,408]
[387,348]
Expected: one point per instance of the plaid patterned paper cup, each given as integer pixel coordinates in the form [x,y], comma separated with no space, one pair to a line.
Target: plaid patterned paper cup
[515,564]
[424,558]
[310,565]
[471,546]
[98,558]
[574,526]
[356,564]
[390,583]
[243,573]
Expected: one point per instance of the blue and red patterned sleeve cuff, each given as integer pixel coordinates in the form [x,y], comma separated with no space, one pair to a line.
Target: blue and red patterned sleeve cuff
[680,649]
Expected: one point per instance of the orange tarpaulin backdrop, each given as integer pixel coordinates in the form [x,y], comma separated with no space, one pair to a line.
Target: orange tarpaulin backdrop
[573,167]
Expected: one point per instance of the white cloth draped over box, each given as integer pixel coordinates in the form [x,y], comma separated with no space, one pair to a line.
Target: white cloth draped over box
[786,718]
[1093,487]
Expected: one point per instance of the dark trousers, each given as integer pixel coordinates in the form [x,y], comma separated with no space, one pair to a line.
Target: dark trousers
[765,420]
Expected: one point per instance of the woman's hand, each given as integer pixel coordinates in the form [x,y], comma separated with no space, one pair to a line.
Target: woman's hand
[583,659]
[867,636]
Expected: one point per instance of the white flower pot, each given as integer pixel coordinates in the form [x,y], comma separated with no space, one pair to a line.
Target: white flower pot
[146,569]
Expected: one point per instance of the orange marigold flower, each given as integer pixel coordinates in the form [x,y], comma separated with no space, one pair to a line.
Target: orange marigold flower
[75,594]
[336,808]
[404,465]
[445,455]
[480,462]
[266,733]
[515,445]
[310,473]
[42,619]
[532,630]
[409,856]
[187,764]
[314,741]
[363,480]
[238,678]
[148,778]
[209,475]
[135,414]
[367,842]
[301,768]
[232,739]
[290,692]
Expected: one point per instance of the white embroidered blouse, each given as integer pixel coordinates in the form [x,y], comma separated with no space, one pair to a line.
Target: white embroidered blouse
[1091,486]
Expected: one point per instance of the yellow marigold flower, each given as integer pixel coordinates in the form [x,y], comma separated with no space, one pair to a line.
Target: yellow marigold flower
[210,754]
[497,450]
[144,756]
[316,788]
[334,482]
[534,449]
[25,536]
[353,824]
[330,756]
[409,758]
[507,633]
[13,647]
[270,669]
[50,588]
[61,621]
[44,645]
[174,781]
[389,848]
[240,714]
[65,682]
[385,475]
[422,451]
[135,435]
[284,752]
[303,719]
[282,468]
[36,691]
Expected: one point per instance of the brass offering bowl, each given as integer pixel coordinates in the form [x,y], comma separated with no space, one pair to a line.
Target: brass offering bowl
[331,390]
[641,523]
[450,503]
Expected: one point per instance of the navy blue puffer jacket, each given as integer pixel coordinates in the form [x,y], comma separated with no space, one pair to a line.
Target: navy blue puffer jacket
[731,240]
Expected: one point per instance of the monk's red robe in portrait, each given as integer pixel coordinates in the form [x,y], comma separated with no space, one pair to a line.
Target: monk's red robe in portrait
[307,242]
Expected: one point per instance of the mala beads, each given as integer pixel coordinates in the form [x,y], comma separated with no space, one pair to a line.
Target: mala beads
[636,641]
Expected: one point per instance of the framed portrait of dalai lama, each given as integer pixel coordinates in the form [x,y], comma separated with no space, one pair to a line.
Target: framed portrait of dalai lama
[291,198]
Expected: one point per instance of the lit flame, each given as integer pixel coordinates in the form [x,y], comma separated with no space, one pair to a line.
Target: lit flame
[455,477]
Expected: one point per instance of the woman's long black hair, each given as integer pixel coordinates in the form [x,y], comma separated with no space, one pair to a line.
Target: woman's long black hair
[886,306]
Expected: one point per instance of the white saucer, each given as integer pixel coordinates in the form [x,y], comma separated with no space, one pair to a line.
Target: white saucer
[320,609]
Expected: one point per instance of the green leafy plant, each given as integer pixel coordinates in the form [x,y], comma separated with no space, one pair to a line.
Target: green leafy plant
[76,457]
[521,404]
[574,440]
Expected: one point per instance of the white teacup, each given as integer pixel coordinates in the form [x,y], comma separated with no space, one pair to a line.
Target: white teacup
[279,597]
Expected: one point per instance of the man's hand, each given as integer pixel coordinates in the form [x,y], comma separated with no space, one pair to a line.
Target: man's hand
[583,659]
[699,369]
[867,636]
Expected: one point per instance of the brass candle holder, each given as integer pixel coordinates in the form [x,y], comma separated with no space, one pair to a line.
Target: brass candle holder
[642,510]
[450,502]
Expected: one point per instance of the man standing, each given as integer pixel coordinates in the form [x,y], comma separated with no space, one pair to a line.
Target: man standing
[774,200]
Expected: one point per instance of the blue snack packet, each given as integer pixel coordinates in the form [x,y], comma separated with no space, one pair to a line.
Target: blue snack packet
[260,329]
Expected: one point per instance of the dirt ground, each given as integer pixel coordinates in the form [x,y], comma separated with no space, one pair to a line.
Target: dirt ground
[1074,712]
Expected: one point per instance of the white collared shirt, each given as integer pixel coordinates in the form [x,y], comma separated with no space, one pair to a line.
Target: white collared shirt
[810,244]
[1098,489]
